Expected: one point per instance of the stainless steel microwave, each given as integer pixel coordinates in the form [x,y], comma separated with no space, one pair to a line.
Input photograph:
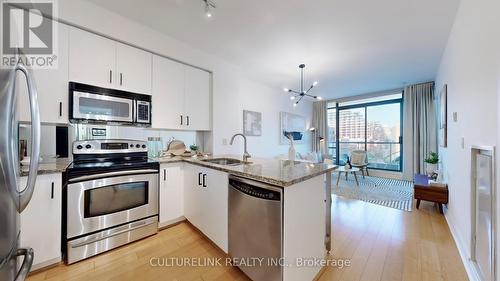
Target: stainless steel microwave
[91,104]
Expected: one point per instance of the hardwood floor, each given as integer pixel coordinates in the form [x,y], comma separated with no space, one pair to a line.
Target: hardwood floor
[381,244]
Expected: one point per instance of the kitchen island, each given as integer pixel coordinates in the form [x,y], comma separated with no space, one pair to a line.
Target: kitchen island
[305,197]
[201,190]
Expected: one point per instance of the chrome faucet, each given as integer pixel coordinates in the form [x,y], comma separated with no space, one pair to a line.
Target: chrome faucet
[246,155]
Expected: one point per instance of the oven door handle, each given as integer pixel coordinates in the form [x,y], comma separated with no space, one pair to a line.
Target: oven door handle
[113,174]
[142,224]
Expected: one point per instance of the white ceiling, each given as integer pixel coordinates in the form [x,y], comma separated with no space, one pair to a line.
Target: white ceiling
[350,46]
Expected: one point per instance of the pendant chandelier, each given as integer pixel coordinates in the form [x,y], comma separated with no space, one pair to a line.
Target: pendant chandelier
[299,95]
[209,6]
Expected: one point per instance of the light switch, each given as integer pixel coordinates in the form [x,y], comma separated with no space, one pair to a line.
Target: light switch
[224,141]
[455,116]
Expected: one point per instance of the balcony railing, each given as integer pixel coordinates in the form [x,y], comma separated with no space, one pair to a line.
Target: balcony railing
[381,155]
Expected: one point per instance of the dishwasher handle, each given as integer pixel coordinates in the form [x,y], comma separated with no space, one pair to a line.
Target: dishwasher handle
[255,191]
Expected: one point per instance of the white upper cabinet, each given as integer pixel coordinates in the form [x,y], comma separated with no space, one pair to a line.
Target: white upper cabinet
[133,69]
[168,94]
[181,96]
[51,84]
[99,61]
[92,59]
[197,99]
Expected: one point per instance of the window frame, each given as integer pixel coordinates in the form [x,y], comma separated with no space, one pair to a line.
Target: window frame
[365,106]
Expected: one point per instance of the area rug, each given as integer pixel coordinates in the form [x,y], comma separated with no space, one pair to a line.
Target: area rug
[391,193]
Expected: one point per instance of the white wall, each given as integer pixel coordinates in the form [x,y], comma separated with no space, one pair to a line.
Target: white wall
[232,92]
[470,67]
[257,97]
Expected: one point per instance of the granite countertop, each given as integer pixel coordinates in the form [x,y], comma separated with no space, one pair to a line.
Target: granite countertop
[281,173]
[52,166]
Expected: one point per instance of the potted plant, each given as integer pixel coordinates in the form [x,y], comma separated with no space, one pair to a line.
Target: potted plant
[194,148]
[431,163]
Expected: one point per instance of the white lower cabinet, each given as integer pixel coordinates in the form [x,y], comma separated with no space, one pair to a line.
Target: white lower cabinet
[192,195]
[41,220]
[205,202]
[171,193]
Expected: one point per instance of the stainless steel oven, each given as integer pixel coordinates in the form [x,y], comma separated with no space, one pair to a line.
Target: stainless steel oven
[111,196]
[100,203]
[102,105]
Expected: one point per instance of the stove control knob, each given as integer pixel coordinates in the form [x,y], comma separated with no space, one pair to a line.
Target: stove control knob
[131,145]
[79,146]
[137,146]
[143,146]
[88,146]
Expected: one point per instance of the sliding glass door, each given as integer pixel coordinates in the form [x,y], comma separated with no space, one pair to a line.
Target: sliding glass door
[352,131]
[383,140]
[373,125]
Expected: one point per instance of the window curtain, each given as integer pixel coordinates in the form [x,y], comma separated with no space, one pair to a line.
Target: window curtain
[419,127]
[319,123]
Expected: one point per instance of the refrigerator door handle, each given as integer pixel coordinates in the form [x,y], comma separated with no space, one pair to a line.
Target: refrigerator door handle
[26,194]
[27,263]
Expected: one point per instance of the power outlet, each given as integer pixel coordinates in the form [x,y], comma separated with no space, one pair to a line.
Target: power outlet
[462,143]
[224,141]
[455,117]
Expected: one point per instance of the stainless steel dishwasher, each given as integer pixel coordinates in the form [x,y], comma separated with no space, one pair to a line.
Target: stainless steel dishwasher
[256,227]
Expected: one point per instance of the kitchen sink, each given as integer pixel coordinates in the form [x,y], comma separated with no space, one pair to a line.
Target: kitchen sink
[224,161]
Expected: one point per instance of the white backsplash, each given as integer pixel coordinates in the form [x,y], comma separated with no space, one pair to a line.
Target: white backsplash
[84,132]
[47,137]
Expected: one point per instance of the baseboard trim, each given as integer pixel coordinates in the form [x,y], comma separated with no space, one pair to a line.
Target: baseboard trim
[43,266]
[469,266]
[386,174]
[170,223]
[323,269]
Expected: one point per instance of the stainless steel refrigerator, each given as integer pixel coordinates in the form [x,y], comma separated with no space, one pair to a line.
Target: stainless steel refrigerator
[15,262]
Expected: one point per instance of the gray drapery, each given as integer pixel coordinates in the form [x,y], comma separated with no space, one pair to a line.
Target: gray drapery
[319,123]
[419,127]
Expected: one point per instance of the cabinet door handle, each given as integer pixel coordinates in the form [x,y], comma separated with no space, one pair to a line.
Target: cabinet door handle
[60,109]
[187,120]
[199,178]
[110,76]
[121,79]
[52,191]
[164,174]
[204,180]
[181,120]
